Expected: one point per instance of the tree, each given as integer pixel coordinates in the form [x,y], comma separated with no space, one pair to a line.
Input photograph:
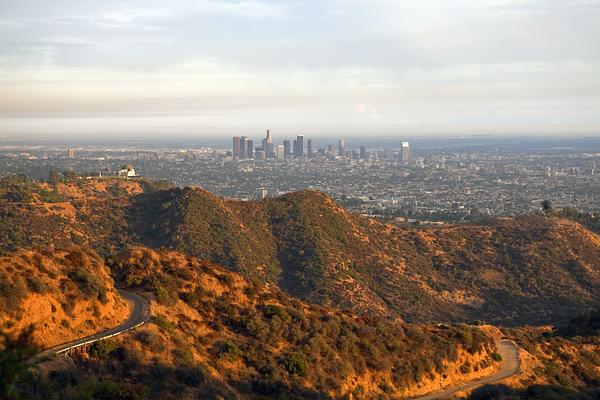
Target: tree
[546,206]
[54,176]
[14,356]
[70,176]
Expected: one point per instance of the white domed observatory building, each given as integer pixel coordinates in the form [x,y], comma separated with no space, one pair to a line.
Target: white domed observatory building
[127,171]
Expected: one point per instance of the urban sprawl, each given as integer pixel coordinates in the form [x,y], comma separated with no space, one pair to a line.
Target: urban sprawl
[428,182]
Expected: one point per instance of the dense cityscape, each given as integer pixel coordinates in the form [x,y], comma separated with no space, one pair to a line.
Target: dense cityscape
[434,181]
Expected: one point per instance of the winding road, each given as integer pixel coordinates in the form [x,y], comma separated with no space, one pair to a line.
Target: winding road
[511,365]
[139,315]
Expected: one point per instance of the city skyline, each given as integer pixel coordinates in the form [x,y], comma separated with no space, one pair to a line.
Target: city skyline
[243,148]
[129,69]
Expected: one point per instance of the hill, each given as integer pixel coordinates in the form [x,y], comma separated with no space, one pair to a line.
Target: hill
[66,294]
[527,269]
[288,297]
[514,270]
[216,334]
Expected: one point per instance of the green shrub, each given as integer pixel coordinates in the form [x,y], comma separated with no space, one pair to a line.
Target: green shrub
[163,322]
[229,350]
[12,293]
[36,284]
[295,364]
[496,357]
[88,284]
[103,348]
[182,356]
[271,311]
[161,294]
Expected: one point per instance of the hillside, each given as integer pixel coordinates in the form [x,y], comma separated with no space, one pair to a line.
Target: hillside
[215,333]
[66,294]
[288,297]
[526,269]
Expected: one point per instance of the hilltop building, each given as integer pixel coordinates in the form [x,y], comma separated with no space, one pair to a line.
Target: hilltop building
[127,171]
[263,193]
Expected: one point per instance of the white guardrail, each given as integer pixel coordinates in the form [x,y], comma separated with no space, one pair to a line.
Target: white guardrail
[138,300]
[92,341]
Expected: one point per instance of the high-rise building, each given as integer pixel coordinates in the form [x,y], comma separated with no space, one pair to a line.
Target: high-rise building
[309,148]
[71,153]
[236,146]
[341,148]
[287,149]
[243,147]
[267,144]
[405,154]
[299,146]
[249,148]
[269,149]
[281,152]
[363,153]
[259,155]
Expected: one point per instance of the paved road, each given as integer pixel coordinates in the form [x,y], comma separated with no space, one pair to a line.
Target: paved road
[511,365]
[139,315]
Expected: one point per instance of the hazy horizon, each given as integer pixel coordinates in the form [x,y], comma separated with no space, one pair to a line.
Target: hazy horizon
[323,68]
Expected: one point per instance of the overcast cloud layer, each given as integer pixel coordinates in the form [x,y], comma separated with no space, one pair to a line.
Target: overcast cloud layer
[389,67]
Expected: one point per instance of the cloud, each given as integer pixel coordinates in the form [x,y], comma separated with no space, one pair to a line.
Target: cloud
[337,59]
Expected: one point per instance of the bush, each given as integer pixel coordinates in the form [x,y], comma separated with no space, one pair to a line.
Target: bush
[151,340]
[271,311]
[182,356]
[11,293]
[295,364]
[163,322]
[103,348]
[88,284]
[229,350]
[496,357]
[161,294]
[36,284]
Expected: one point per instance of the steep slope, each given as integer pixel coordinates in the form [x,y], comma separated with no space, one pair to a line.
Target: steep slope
[215,333]
[90,213]
[561,359]
[519,270]
[523,269]
[526,269]
[64,294]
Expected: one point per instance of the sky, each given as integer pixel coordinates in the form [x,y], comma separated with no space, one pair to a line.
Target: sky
[320,67]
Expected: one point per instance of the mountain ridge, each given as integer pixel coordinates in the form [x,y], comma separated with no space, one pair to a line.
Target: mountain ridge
[525,269]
